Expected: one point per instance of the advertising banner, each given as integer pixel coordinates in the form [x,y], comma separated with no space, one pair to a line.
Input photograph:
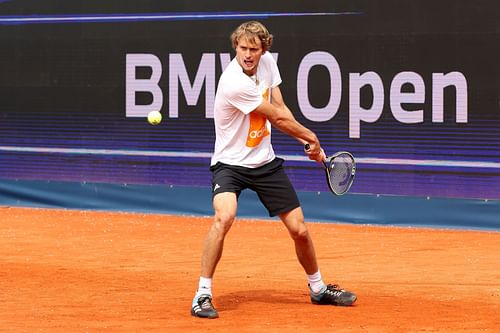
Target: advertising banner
[410,88]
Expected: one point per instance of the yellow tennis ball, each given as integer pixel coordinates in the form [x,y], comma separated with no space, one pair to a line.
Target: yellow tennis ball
[154,117]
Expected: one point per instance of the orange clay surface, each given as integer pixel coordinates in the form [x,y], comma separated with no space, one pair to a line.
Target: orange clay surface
[82,271]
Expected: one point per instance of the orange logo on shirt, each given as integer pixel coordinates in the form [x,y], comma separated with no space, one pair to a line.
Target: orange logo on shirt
[258,128]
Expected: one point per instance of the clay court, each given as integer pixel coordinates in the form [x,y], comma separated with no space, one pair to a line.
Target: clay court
[83,271]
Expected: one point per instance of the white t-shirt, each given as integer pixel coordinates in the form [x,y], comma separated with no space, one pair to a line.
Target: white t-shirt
[243,137]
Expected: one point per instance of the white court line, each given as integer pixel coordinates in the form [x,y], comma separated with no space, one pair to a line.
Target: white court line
[157,153]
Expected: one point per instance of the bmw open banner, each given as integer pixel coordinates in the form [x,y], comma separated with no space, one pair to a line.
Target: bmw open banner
[410,88]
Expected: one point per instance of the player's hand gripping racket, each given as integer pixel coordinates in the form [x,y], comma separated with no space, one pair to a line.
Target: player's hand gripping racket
[340,170]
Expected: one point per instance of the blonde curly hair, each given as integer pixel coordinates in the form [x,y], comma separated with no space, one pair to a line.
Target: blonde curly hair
[252,30]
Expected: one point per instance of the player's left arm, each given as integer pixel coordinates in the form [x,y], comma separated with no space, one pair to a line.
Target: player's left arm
[278,102]
[281,117]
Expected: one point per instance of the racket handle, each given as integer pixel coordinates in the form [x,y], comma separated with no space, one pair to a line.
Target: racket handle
[306,149]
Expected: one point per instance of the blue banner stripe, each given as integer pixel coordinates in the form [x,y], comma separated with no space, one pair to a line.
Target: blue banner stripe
[40,19]
[184,154]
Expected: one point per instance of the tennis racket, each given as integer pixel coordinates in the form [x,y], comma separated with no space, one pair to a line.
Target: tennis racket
[340,170]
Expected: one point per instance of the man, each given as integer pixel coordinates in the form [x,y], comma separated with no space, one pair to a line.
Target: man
[247,102]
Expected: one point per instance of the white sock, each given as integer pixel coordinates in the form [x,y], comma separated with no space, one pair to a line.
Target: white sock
[204,286]
[315,282]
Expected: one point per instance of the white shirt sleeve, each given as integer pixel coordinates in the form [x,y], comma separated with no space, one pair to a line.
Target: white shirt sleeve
[273,68]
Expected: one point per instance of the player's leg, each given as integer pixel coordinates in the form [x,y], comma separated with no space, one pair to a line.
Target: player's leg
[304,247]
[278,195]
[225,206]
[319,292]
[227,183]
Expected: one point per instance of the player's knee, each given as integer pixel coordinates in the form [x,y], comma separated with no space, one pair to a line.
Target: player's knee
[224,221]
[225,217]
[300,233]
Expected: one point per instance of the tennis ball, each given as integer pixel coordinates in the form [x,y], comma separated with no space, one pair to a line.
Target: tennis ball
[154,117]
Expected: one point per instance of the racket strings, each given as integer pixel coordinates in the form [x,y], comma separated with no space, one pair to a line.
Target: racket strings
[341,172]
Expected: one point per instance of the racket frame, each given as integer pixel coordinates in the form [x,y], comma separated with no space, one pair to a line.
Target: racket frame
[329,165]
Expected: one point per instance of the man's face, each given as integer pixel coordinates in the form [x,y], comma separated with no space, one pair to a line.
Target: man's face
[248,53]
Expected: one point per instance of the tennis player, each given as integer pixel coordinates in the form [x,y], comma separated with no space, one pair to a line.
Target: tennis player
[248,101]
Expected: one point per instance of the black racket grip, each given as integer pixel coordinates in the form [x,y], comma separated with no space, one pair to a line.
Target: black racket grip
[307,147]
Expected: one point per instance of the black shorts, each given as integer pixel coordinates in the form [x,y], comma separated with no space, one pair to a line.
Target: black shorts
[269,181]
